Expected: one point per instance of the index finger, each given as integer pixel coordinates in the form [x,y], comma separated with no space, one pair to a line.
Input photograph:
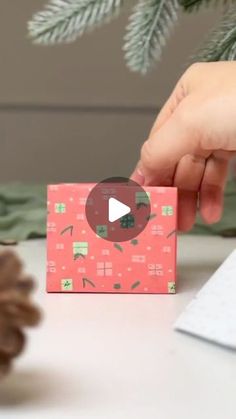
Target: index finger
[163,150]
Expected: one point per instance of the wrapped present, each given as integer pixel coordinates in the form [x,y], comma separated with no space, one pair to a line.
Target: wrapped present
[80,259]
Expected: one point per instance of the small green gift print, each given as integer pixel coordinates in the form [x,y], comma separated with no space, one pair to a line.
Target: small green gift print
[127,221]
[167,210]
[60,207]
[67,284]
[171,287]
[80,249]
[101,230]
[142,198]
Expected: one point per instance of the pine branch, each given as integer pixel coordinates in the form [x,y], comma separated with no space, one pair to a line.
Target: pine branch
[195,5]
[222,43]
[66,20]
[148,29]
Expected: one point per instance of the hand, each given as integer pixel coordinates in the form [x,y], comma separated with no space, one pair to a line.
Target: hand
[192,141]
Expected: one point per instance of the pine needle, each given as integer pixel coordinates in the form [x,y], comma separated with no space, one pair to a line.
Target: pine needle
[221,45]
[148,29]
[194,5]
[66,20]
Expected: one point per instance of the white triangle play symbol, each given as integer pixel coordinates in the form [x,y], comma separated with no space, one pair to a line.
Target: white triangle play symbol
[116,209]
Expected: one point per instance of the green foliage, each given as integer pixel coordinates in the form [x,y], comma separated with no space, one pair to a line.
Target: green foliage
[193,5]
[135,285]
[222,42]
[148,29]
[134,242]
[66,20]
[118,247]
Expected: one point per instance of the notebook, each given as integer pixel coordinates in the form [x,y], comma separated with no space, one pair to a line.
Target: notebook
[212,313]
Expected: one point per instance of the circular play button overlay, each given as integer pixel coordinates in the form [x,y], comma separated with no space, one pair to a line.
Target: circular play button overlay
[118,209]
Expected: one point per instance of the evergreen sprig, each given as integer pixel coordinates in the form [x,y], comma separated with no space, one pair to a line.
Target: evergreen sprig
[66,20]
[149,27]
[147,32]
[222,42]
[194,5]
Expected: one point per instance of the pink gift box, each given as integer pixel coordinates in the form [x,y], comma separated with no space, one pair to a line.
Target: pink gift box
[78,260]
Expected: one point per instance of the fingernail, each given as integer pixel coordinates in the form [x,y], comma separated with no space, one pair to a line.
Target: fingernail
[138,176]
[212,214]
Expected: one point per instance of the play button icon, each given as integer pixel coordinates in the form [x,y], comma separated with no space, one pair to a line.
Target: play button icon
[117,209]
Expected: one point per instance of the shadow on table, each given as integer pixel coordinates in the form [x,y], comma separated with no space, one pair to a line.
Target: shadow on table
[25,387]
[193,276]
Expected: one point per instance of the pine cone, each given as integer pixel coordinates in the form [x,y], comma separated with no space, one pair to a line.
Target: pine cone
[16,309]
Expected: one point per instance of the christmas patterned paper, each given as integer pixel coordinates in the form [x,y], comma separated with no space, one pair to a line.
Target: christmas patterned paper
[78,260]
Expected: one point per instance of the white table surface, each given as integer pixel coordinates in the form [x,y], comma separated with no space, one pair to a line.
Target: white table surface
[117,356]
